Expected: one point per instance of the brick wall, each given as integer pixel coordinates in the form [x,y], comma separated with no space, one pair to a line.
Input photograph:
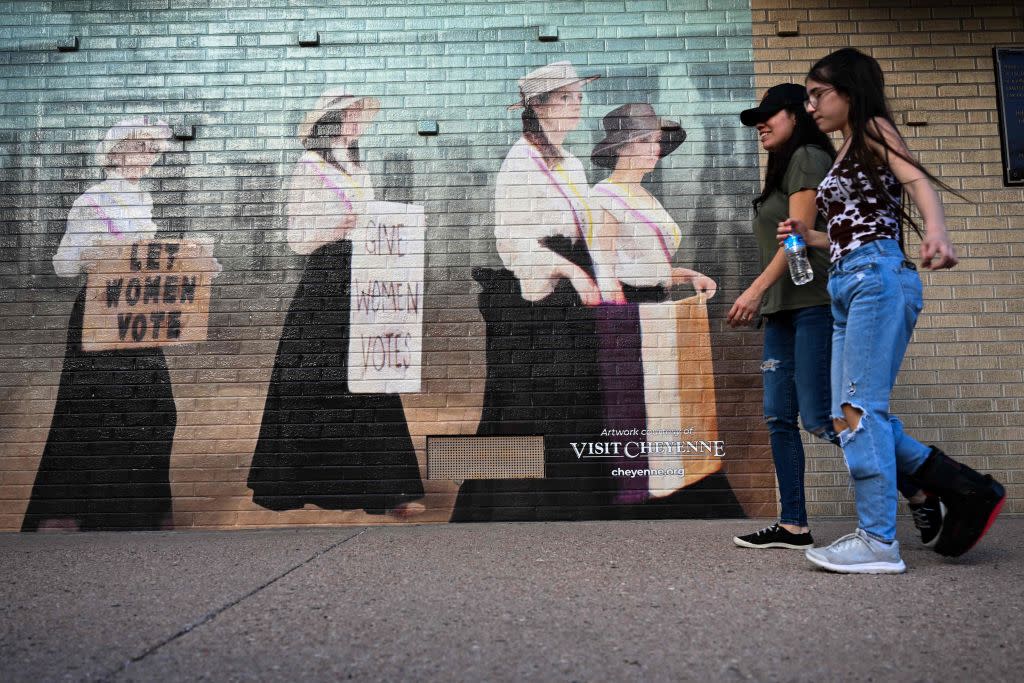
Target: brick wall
[961,383]
[235,71]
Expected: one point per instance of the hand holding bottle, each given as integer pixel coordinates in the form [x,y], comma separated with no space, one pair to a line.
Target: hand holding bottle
[812,238]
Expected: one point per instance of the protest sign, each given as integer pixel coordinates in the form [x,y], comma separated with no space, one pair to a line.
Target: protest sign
[145,294]
[386,334]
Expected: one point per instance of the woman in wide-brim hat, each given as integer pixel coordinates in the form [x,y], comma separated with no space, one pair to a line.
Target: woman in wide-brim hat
[636,246]
[319,443]
[538,309]
[638,233]
[95,474]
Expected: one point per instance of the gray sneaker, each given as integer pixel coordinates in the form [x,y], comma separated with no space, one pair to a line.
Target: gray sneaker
[858,553]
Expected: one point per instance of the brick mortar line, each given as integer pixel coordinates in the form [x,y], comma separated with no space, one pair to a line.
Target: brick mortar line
[210,616]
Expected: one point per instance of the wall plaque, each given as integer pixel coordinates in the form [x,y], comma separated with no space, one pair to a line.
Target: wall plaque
[1009,66]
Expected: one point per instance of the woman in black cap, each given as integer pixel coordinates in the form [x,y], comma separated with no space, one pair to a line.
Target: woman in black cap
[797,319]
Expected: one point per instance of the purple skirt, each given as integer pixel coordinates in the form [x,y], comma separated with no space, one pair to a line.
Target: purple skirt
[624,410]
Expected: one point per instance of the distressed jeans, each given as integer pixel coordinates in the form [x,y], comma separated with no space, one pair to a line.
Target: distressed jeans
[795,372]
[876,298]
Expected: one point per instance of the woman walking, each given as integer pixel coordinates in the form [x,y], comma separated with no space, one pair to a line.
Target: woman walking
[876,298]
[797,320]
[106,463]
[538,311]
[320,443]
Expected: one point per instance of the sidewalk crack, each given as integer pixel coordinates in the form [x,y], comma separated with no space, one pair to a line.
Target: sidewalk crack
[210,616]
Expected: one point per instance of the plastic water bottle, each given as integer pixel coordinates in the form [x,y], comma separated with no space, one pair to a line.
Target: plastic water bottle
[796,255]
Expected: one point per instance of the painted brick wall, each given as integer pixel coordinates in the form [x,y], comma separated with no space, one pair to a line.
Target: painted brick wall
[234,71]
[961,383]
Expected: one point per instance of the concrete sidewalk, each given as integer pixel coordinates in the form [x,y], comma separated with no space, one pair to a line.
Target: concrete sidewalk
[587,601]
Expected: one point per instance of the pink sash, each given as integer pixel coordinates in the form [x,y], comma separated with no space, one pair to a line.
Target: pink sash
[646,220]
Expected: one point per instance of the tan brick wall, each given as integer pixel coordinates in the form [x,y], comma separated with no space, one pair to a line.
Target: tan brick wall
[962,380]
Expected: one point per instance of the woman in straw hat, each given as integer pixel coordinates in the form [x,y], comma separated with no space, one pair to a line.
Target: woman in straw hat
[636,245]
[97,471]
[541,350]
[319,443]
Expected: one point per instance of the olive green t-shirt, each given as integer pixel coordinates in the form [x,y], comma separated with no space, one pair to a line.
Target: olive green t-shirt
[807,168]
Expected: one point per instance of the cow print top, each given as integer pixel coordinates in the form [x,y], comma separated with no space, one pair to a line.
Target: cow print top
[854,219]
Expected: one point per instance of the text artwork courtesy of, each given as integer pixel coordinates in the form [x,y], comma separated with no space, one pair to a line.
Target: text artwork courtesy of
[147,294]
[386,342]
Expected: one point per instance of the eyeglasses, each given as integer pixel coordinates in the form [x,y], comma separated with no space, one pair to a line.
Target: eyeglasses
[814,97]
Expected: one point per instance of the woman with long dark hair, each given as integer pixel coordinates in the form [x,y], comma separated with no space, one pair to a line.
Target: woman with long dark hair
[797,320]
[876,298]
[538,310]
[319,442]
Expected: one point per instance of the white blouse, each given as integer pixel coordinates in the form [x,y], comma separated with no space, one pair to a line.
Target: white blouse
[112,210]
[645,239]
[322,198]
[533,201]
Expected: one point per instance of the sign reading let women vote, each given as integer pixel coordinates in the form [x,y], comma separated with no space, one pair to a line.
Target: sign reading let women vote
[147,294]
[386,336]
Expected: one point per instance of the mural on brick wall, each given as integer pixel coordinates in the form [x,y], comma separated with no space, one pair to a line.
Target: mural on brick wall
[266,300]
[583,268]
[583,329]
[322,442]
[106,463]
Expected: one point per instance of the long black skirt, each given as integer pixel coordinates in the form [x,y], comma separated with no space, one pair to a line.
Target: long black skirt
[320,443]
[542,379]
[106,464]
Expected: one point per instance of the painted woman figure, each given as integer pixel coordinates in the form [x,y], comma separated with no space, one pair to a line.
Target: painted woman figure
[636,244]
[106,463]
[320,443]
[538,310]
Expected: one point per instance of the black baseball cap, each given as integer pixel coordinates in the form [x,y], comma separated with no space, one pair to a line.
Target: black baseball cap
[775,100]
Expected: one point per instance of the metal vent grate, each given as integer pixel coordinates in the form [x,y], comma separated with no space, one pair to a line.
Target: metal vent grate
[485,457]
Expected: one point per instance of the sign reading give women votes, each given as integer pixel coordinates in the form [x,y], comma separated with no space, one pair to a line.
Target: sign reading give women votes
[386,337]
[147,294]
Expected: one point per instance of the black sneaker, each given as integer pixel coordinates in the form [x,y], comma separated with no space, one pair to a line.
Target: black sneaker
[775,536]
[928,517]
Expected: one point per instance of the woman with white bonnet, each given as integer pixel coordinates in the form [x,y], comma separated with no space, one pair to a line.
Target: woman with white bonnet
[107,457]
[319,443]
[538,309]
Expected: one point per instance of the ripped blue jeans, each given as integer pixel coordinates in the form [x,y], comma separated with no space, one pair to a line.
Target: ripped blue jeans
[795,372]
[876,298]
